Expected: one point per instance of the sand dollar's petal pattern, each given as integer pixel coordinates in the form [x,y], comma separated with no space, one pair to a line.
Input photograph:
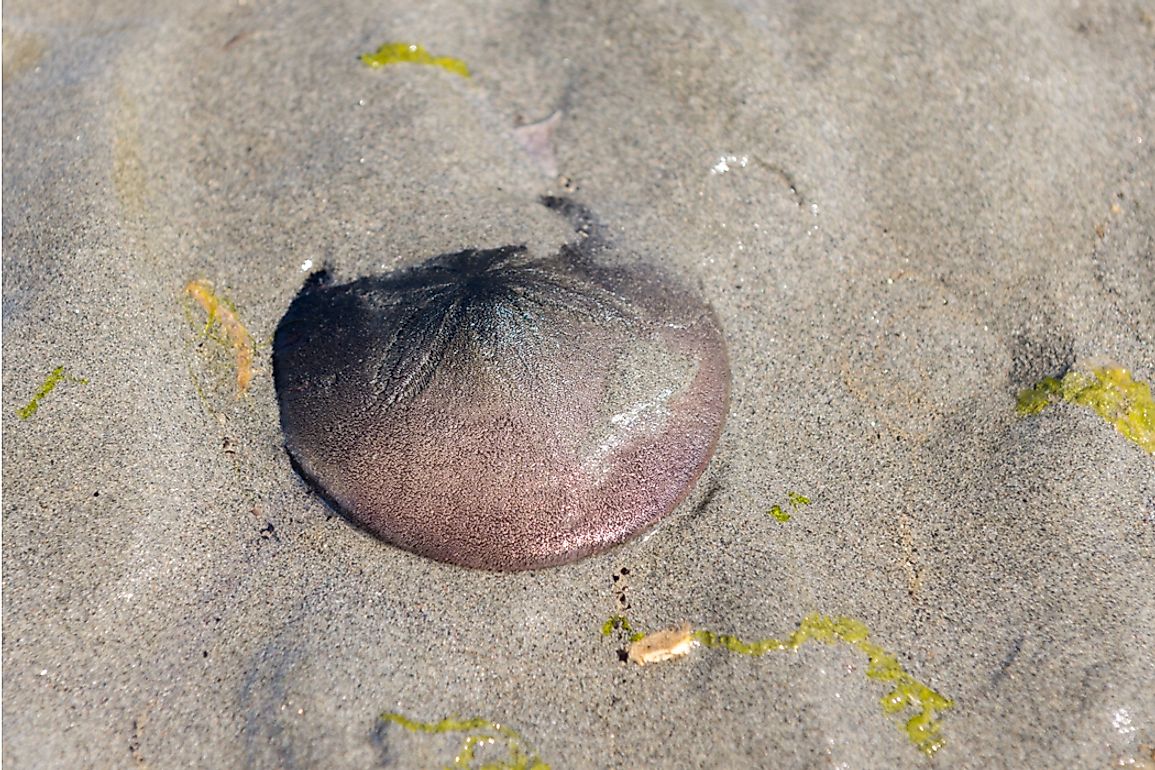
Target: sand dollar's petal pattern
[501,410]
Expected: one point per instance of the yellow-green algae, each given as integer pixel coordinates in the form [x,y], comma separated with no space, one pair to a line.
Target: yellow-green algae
[795,501]
[779,514]
[480,732]
[57,376]
[412,53]
[923,728]
[620,621]
[1109,391]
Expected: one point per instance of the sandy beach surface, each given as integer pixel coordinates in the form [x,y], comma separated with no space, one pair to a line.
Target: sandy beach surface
[902,215]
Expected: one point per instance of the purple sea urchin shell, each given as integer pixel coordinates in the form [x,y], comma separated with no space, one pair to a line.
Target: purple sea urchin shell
[500,410]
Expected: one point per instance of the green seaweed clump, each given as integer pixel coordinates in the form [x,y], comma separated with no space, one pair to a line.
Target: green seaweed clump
[480,732]
[55,378]
[922,728]
[796,501]
[1109,391]
[412,53]
[622,622]
[779,514]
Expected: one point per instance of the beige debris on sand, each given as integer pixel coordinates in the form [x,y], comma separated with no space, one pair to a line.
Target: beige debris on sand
[663,645]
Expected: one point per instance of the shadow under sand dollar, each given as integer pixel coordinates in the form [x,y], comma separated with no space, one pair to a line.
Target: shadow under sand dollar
[499,409]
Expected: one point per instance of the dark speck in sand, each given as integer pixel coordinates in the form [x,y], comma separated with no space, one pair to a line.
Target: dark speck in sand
[503,410]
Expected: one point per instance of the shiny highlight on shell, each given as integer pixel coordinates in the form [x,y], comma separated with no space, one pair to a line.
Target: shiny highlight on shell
[503,410]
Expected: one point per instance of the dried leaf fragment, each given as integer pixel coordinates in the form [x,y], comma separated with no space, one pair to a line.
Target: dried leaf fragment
[221,313]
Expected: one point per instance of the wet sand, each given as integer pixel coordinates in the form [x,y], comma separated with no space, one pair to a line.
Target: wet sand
[902,218]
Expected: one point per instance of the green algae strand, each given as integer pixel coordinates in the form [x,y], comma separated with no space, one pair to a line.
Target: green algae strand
[412,53]
[57,376]
[906,695]
[922,728]
[1109,391]
[478,733]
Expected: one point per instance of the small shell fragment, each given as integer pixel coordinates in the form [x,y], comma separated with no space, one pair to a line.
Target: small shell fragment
[663,645]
